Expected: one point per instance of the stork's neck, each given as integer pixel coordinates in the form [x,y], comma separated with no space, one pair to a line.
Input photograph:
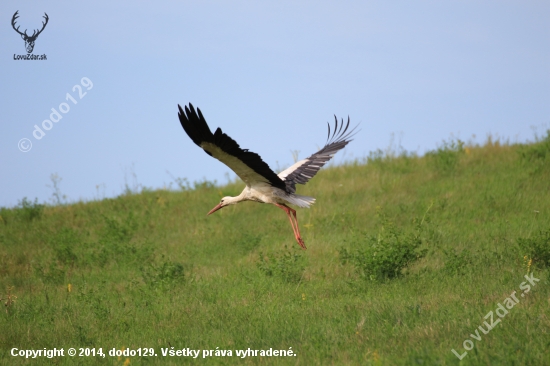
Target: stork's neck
[241,197]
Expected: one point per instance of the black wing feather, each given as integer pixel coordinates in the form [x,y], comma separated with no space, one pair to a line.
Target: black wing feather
[197,129]
[335,143]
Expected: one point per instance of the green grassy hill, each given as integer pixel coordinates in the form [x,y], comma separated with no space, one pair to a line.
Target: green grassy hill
[407,256]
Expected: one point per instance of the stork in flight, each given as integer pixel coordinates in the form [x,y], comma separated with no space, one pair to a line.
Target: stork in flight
[262,184]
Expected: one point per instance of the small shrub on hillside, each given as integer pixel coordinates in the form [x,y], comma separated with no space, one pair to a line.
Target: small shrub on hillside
[26,210]
[114,239]
[286,265]
[163,275]
[247,242]
[539,151]
[64,243]
[119,231]
[115,242]
[385,255]
[5,215]
[446,157]
[537,248]
[55,269]
[82,335]
[95,300]
[457,264]
[51,272]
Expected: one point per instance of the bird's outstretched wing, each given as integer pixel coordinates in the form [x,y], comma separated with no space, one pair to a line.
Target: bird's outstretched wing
[247,165]
[302,171]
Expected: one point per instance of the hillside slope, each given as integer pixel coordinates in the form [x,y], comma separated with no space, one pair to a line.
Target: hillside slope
[406,258]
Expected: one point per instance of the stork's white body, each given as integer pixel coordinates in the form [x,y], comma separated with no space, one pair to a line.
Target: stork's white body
[262,184]
[264,193]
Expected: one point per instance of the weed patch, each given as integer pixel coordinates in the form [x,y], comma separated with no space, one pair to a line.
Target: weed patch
[115,242]
[53,267]
[95,300]
[247,242]
[118,231]
[164,275]
[457,264]
[26,210]
[286,265]
[537,249]
[51,272]
[384,256]
[8,299]
[539,151]
[29,210]
[64,246]
[446,157]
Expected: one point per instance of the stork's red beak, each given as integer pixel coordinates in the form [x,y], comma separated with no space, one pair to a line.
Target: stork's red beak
[218,206]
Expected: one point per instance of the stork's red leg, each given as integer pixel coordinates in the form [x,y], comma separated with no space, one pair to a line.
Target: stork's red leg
[294,224]
[287,211]
[296,221]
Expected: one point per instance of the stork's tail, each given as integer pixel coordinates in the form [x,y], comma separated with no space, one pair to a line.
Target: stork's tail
[300,201]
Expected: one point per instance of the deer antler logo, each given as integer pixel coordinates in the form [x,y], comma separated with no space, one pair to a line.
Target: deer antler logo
[29,40]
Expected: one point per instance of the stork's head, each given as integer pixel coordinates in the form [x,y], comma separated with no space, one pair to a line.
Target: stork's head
[226,201]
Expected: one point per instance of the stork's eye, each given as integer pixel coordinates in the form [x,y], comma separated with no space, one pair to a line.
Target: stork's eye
[221,201]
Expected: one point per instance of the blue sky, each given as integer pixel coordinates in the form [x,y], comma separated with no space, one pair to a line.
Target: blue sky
[270,74]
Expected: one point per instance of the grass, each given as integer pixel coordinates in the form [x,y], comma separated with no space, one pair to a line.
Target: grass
[406,256]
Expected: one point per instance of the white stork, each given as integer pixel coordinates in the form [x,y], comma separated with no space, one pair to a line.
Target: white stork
[262,184]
